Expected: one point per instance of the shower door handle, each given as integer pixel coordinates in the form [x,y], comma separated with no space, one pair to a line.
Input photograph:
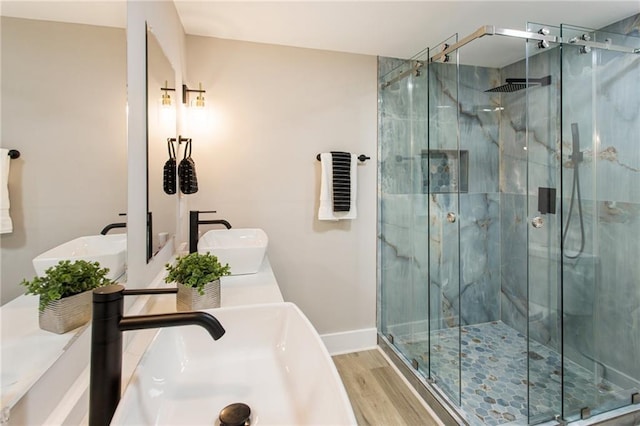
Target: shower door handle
[537,222]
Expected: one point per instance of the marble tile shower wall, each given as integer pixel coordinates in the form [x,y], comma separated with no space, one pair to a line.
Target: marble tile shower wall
[458,103]
[529,161]
[613,168]
[405,202]
[601,291]
[403,237]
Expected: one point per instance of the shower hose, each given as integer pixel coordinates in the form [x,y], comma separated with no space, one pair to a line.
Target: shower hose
[574,191]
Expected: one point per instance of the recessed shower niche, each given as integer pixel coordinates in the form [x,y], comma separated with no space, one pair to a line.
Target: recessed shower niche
[445,171]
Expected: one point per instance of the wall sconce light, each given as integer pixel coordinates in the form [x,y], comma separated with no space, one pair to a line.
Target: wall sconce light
[199,101]
[165,101]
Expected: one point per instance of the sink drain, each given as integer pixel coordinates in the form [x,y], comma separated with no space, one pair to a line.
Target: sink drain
[237,414]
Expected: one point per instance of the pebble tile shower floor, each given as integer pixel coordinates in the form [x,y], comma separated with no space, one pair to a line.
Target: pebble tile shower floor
[494,374]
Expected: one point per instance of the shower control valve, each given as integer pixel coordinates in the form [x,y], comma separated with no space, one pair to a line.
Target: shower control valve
[537,222]
[451,217]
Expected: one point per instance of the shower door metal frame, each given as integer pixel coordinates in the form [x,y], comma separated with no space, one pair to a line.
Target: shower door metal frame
[540,36]
[507,32]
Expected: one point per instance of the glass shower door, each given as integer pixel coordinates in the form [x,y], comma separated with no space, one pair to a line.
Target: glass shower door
[601,220]
[538,149]
[403,230]
[441,166]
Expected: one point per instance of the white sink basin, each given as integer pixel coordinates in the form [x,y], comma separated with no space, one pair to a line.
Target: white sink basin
[242,249]
[109,250]
[270,358]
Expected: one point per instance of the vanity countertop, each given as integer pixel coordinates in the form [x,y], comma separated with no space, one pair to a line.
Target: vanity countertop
[251,289]
[236,290]
[26,350]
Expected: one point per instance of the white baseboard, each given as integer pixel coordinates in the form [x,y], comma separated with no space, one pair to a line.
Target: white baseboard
[350,341]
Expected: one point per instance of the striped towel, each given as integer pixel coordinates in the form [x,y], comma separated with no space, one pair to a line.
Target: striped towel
[338,193]
[341,163]
[6,225]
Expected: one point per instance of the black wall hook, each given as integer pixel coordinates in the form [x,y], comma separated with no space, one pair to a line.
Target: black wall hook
[179,140]
[14,153]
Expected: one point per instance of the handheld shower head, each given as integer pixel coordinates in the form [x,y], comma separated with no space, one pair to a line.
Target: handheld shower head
[576,155]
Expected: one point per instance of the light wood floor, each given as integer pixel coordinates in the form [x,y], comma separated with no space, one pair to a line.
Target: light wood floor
[378,395]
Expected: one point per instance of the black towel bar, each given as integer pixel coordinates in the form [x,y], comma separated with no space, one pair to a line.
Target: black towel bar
[361,157]
[14,153]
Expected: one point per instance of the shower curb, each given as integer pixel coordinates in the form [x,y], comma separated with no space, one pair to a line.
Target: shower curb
[438,403]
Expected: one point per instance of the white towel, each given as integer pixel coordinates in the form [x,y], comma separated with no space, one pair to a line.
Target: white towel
[325,212]
[6,225]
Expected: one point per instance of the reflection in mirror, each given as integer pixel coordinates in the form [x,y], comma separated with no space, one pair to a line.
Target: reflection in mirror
[64,108]
[161,126]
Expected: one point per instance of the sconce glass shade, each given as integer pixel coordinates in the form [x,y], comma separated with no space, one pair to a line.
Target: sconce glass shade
[165,101]
[199,102]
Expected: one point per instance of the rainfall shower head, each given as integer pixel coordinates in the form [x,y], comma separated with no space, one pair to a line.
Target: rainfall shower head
[515,84]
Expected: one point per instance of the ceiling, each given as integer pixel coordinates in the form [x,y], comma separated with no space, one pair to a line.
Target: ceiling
[386,28]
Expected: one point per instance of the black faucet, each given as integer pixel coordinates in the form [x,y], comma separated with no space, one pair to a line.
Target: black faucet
[111,226]
[194,225]
[106,343]
[115,225]
[149,235]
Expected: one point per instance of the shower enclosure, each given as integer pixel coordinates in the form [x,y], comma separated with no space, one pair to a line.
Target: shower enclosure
[509,222]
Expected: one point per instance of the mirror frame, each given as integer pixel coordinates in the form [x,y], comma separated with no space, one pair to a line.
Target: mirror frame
[157,63]
[149,218]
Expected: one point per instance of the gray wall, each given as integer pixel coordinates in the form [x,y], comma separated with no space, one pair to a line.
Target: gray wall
[271,110]
[64,108]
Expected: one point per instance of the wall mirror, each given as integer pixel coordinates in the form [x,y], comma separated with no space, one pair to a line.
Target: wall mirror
[162,102]
[64,108]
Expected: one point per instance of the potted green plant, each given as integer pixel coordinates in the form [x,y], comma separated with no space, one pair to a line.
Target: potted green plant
[65,293]
[198,280]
